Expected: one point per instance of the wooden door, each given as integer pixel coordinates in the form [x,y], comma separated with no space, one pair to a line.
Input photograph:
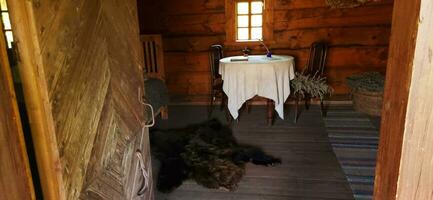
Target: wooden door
[15,176]
[83,61]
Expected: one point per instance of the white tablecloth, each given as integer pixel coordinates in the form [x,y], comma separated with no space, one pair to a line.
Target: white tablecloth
[262,76]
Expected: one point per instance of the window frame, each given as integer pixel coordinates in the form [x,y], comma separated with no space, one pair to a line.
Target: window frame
[231,22]
[250,16]
[7,31]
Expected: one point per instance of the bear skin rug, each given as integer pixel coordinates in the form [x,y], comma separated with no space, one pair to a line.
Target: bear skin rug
[207,153]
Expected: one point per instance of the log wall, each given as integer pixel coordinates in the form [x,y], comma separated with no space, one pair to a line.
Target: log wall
[358,37]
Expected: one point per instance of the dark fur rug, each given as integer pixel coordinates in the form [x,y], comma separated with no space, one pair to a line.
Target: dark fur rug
[206,152]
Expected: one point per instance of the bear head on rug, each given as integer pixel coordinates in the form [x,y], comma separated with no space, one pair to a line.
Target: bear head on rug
[207,153]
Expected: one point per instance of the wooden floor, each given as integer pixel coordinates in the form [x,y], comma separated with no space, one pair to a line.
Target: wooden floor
[309,168]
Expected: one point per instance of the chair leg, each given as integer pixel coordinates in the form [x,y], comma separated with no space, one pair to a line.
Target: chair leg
[249,106]
[296,109]
[229,117]
[323,110]
[223,102]
[270,115]
[307,103]
[211,101]
[164,113]
[226,108]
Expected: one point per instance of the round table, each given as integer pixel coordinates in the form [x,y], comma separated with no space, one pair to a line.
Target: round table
[259,75]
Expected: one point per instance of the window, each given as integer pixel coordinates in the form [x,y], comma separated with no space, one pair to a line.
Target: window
[6,23]
[249,20]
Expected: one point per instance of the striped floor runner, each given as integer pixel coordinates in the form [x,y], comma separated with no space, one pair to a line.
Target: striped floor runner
[354,138]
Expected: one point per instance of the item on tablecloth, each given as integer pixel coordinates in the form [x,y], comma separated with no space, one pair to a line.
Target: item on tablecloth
[268,52]
[239,59]
[246,51]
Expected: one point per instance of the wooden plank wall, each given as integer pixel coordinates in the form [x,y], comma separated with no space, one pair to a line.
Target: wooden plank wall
[92,59]
[359,37]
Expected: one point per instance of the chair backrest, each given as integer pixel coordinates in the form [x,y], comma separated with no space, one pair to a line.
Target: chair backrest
[215,54]
[153,56]
[317,60]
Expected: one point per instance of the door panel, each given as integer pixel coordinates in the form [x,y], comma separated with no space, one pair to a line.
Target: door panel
[118,168]
[91,57]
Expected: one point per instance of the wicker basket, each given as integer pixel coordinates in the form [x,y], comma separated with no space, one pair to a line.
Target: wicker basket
[368,102]
[346,3]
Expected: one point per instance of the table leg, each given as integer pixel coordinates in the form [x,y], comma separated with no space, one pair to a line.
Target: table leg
[270,105]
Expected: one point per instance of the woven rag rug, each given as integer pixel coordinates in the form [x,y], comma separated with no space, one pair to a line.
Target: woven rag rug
[354,138]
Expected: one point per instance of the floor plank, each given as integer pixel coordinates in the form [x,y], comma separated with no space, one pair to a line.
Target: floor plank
[309,168]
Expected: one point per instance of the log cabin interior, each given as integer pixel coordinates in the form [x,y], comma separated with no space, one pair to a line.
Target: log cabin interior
[216,99]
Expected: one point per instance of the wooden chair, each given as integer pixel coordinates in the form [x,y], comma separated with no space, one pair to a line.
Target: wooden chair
[154,63]
[215,54]
[315,66]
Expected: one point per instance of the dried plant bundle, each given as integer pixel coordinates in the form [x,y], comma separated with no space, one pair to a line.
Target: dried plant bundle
[313,86]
